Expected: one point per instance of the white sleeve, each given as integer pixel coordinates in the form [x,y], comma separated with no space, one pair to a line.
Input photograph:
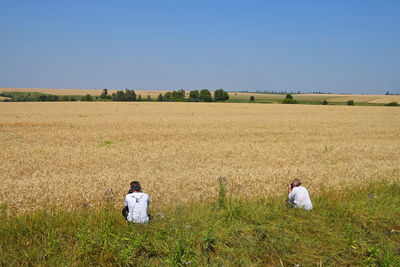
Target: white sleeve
[291,195]
[126,202]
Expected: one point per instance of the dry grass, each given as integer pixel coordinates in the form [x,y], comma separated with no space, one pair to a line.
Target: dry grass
[386,99]
[69,154]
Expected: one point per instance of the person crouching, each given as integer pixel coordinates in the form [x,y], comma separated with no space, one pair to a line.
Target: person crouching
[298,196]
[136,204]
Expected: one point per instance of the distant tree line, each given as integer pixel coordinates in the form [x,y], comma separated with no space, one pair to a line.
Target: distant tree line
[388,93]
[28,97]
[283,92]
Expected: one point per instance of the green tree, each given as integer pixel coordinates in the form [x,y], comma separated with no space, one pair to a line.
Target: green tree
[43,97]
[289,101]
[87,98]
[130,95]
[194,95]
[104,94]
[393,104]
[220,94]
[252,98]
[289,96]
[148,98]
[325,102]
[160,97]
[177,95]
[350,103]
[139,98]
[119,96]
[205,96]
[52,98]
[168,96]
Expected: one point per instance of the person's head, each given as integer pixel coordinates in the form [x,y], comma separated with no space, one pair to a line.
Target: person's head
[296,182]
[135,186]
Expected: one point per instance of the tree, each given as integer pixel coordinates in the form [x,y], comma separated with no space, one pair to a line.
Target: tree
[325,102]
[65,98]
[87,98]
[350,103]
[148,98]
[393,104]
[120,96]
[168,96]
[289,96]
[43,97]
[387,93]
[180,94]
[139,98]
[160,97]
[195,94]
[289,101]
[104,94]
[130,95]
[52,98]
[220,94]
[252,98]
[205,96]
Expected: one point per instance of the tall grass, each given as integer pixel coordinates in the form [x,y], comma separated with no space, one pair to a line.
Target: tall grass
[352,227]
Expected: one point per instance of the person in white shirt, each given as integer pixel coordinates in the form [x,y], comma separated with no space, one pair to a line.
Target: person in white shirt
[298,196]
[136,204]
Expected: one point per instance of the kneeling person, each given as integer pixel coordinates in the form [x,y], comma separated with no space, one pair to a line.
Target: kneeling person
[298,196]
[136,203]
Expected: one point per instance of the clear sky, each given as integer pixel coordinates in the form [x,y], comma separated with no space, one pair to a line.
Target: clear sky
[337,46]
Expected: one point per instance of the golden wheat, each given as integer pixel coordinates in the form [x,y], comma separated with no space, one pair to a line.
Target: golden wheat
[68,155]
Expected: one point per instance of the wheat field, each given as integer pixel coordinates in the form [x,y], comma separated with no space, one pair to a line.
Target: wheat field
[376,99]
[73,154]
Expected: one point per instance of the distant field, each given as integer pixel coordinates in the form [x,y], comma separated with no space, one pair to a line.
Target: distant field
[334,98]
[269,98]
[93,92]
[68,154]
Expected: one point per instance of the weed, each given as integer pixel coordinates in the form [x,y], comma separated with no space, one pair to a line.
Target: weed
[106,143]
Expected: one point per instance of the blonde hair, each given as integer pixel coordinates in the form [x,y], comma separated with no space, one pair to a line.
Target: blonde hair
[296,182]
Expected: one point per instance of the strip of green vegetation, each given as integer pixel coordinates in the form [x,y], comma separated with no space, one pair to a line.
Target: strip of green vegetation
[28,96]
[203,95]
[356,227]
[36,96]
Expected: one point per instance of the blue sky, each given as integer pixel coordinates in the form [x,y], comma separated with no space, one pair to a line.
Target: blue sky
[335,46]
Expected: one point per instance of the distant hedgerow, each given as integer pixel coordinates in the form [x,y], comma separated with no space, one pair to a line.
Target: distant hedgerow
[289,101]
[392,104]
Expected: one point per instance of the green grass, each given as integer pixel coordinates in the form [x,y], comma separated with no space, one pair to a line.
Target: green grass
[351,227]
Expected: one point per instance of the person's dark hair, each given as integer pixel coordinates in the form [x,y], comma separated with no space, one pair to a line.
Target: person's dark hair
[135,186]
